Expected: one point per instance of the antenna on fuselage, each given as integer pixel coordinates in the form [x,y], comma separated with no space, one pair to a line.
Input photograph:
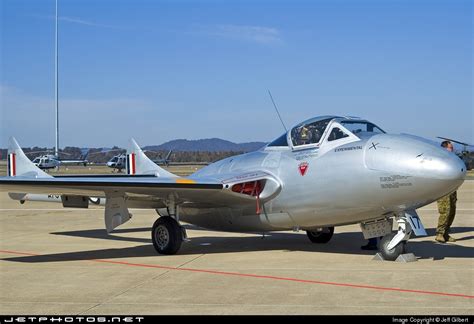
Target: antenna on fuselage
[276,109]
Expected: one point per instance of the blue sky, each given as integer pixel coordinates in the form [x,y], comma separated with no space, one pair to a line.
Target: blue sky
[162,70]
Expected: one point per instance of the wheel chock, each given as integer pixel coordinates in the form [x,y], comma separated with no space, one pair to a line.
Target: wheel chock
[407,257]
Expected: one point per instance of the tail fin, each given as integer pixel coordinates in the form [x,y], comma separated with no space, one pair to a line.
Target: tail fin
[84,153]
[139,163]
[19,165]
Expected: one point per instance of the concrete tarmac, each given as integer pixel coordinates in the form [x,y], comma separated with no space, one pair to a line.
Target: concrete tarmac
[61,261]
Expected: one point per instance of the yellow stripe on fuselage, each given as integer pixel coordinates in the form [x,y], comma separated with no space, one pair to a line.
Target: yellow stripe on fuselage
[184,180]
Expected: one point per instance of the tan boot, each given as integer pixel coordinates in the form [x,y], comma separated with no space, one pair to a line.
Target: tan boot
[440,238]
[449,238]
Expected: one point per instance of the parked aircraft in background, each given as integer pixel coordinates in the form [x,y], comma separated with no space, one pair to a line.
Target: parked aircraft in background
[166,161]
[118,162]
[50,161]
[324,172]
[466,155]
[47,161]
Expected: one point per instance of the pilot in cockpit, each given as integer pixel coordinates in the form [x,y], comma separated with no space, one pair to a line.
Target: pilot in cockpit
[309,133]
[304,136]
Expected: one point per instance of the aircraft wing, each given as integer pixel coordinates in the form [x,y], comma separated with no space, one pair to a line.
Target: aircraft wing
[233,190]
[142,190]
[150,192]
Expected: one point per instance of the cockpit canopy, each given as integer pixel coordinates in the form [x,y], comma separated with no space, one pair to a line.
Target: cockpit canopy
[361,128]
[314,131]
[309,132]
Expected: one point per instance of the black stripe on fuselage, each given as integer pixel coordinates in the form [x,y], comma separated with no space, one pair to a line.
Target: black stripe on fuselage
[79,176]
[127,167]
[9,173]
[53,183]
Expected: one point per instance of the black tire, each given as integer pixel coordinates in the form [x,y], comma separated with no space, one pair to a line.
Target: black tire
[391,255]
[322,236]
[95,202]
[166,236]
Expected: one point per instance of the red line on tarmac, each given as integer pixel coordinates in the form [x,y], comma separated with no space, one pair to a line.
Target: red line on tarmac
[214,272]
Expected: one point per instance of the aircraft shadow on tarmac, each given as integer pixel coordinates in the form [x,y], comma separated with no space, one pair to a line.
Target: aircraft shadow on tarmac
[344,243]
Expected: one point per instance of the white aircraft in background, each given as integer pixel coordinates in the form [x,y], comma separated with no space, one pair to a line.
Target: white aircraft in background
[118,162]
[50,161]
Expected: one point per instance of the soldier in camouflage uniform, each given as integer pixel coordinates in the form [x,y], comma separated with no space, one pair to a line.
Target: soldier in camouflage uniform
[447,210]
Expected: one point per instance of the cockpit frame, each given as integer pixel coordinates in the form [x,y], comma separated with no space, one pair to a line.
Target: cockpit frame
[322,132]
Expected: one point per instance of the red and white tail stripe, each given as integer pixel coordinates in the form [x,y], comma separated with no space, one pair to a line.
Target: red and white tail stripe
[11,170]
[131,164]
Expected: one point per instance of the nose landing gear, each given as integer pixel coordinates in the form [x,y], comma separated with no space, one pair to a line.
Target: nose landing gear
[393,245]
[391,254]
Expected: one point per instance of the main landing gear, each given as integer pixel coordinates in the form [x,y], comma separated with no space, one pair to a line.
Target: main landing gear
[321,235]
[167,234]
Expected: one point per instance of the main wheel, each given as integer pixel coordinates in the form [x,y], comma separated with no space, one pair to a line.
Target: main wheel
[391,254]
[321,236]
[166,235]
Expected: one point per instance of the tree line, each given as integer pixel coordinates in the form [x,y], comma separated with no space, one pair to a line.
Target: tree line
[98,155]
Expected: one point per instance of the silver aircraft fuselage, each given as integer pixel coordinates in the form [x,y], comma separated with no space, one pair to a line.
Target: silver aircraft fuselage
[354,179]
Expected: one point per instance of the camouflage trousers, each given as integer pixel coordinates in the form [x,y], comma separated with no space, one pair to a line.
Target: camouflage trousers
[447,211]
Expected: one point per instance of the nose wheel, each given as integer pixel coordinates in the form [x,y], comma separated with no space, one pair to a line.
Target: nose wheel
[391,253]
[393,245]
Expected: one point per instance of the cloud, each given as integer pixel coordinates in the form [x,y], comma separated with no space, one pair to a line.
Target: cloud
[256,34]
[79,21]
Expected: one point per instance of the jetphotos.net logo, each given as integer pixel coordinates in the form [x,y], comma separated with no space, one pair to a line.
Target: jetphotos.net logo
[71,319]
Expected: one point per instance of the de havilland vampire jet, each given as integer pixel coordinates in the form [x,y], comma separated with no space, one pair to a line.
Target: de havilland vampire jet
[325,172]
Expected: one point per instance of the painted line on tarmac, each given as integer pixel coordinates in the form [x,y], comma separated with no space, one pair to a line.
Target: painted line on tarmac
[101,209]
[44,209]
[62,209]
[436,209]
[66,209]
[236,274]
[138,209]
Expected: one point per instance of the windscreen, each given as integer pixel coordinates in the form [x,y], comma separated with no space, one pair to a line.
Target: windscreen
[280,141]
[361,127]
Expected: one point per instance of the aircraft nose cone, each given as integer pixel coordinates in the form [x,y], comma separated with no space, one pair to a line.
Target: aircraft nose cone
[412,156]
[449,168]
[412,171]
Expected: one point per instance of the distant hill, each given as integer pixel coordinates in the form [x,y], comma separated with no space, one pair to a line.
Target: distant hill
[203,150]
[208,145]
